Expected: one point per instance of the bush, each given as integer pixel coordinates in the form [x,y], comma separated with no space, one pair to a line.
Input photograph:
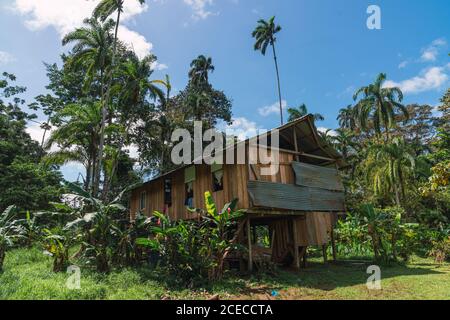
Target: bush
[192,251]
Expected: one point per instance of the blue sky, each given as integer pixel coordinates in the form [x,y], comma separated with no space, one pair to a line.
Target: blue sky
[325,49]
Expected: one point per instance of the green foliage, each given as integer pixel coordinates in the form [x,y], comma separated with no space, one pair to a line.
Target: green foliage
[379,106]
[10,231]
[385,234]
[440,250]
[192,251]
[56,243]
[23,181]
[301,111]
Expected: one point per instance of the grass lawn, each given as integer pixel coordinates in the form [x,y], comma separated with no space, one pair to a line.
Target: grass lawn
[27,275]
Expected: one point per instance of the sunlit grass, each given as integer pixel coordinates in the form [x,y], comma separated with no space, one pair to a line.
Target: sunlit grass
[27,275]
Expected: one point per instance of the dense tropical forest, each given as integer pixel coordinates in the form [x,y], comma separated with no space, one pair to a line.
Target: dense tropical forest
[102,98]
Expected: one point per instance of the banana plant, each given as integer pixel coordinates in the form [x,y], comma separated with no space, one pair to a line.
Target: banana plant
[222,223]
[57,243]
[31,228]
[10,231]
[373,220]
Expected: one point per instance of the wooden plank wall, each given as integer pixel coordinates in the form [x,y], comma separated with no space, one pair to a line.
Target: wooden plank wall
[235,186]
[285,173]
[314,229]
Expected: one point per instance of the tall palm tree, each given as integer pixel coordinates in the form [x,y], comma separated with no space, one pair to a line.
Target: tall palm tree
[347,117]
[103,10]
[264,35]
[389,165]
[301,111]
[137,84]
[379,106]
[200,68]
[343,141]
[92,49]
[134,89]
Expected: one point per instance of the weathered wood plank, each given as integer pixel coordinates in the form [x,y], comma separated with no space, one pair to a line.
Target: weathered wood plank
[292,197]
[318,177]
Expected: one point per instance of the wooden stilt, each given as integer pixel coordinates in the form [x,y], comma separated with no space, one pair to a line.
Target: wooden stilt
[333,244]
[305,257]
[296,253]
[249,236]
[324,253]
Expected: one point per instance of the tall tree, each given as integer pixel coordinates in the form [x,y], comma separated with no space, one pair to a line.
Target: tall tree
[103,10]
[77,137]
[200,68]
[92,52]
[347,117]
[264,35]
[301,111]
[24,181]
[379,106]
[389,165]
[133,90]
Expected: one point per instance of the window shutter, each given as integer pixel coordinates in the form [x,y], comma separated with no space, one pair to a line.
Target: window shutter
[189,174]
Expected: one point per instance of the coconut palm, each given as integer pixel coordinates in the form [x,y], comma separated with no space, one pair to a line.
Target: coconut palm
[347,117]
[102,11]
[389,165]
[264,35]
[301,111]
[379,106]
[200,67]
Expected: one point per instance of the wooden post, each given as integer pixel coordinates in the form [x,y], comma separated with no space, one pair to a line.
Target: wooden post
[296,254]
[305,257]
[249,236]
[297,156]
[333,244]
[324,253]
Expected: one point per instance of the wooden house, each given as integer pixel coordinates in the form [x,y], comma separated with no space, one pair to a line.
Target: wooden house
[298,204]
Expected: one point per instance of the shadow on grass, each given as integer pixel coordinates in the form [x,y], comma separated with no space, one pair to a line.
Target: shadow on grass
[343,273]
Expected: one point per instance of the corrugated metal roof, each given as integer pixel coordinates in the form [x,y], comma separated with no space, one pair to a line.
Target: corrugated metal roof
[292,197]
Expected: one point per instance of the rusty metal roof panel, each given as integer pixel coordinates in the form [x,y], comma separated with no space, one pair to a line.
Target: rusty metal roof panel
[293,197]
[309,175]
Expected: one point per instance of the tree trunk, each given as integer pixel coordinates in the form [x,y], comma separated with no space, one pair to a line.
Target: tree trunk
[397,195]
[104,109]
[2,257]
[278,80]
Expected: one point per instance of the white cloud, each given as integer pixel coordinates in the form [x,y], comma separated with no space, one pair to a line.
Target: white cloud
[242,128]
[132,151]
[272,109]
[135,41]
[35,131]
[403,64]
[6,58]
[431,52]
[429,79]
[200,8]
[327,131]
[66,15]
[158,66]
